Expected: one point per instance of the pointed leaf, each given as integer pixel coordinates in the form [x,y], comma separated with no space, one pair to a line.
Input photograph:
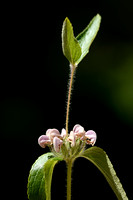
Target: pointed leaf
[40,177]
[100,159]
[70,46]
[86,37]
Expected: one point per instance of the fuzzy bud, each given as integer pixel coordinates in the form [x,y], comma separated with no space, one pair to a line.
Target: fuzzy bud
[72,138]
[63,133]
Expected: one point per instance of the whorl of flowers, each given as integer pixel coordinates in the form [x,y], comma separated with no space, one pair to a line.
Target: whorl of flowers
[69,145]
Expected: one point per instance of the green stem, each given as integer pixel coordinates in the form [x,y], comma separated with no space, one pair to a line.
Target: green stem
[73,67]
[69,174]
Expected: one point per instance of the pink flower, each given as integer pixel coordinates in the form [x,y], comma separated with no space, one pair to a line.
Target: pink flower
[57,143]
[91,137]
[79,131]
[44,140]
[51,133]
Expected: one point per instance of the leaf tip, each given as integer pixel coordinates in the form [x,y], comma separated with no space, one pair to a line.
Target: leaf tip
[98,16]
[67,20]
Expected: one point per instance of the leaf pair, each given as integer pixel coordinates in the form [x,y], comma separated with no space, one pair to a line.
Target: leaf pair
[75,49]
[39,182]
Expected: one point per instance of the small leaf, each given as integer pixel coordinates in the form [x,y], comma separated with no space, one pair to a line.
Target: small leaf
[100,159]
[70,46]
[40,177]
[86,37]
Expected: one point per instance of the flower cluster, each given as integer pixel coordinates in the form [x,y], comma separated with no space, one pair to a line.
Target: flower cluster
[55,139]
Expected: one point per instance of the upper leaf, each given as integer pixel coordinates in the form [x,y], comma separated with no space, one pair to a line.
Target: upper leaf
[70,46]
[86,37]
[39,181]
[100,159]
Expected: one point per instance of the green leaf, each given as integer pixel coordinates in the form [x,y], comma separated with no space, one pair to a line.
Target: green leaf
[86,37]
[100,159]
[70,46]
[40,177]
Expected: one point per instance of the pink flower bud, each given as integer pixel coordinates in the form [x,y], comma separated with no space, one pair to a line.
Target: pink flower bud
[53,133]
[57,143]
[79,131]
[91,137]
[72,138]
[63,133]
[44,140]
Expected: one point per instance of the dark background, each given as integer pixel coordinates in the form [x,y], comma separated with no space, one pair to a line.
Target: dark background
[33,86]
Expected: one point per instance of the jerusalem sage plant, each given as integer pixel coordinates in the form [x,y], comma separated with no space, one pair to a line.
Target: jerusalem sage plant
[66,145]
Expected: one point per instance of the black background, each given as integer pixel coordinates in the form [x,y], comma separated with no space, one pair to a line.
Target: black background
[33,86]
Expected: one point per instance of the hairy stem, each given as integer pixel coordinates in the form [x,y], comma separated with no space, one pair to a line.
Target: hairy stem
[69,174]
[73,67]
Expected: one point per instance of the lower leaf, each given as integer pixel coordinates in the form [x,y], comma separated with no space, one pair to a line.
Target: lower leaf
[40,177]
[100,159]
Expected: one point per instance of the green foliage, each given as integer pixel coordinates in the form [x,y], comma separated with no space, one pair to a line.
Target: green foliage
[86,37]
[39,181]
[40,177]
[75,49]
[100,159]
[70,45]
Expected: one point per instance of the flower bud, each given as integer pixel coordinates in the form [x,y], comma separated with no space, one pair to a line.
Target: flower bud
[72,138]
[63,133]
[91,137]
[57,143]
[44,140]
